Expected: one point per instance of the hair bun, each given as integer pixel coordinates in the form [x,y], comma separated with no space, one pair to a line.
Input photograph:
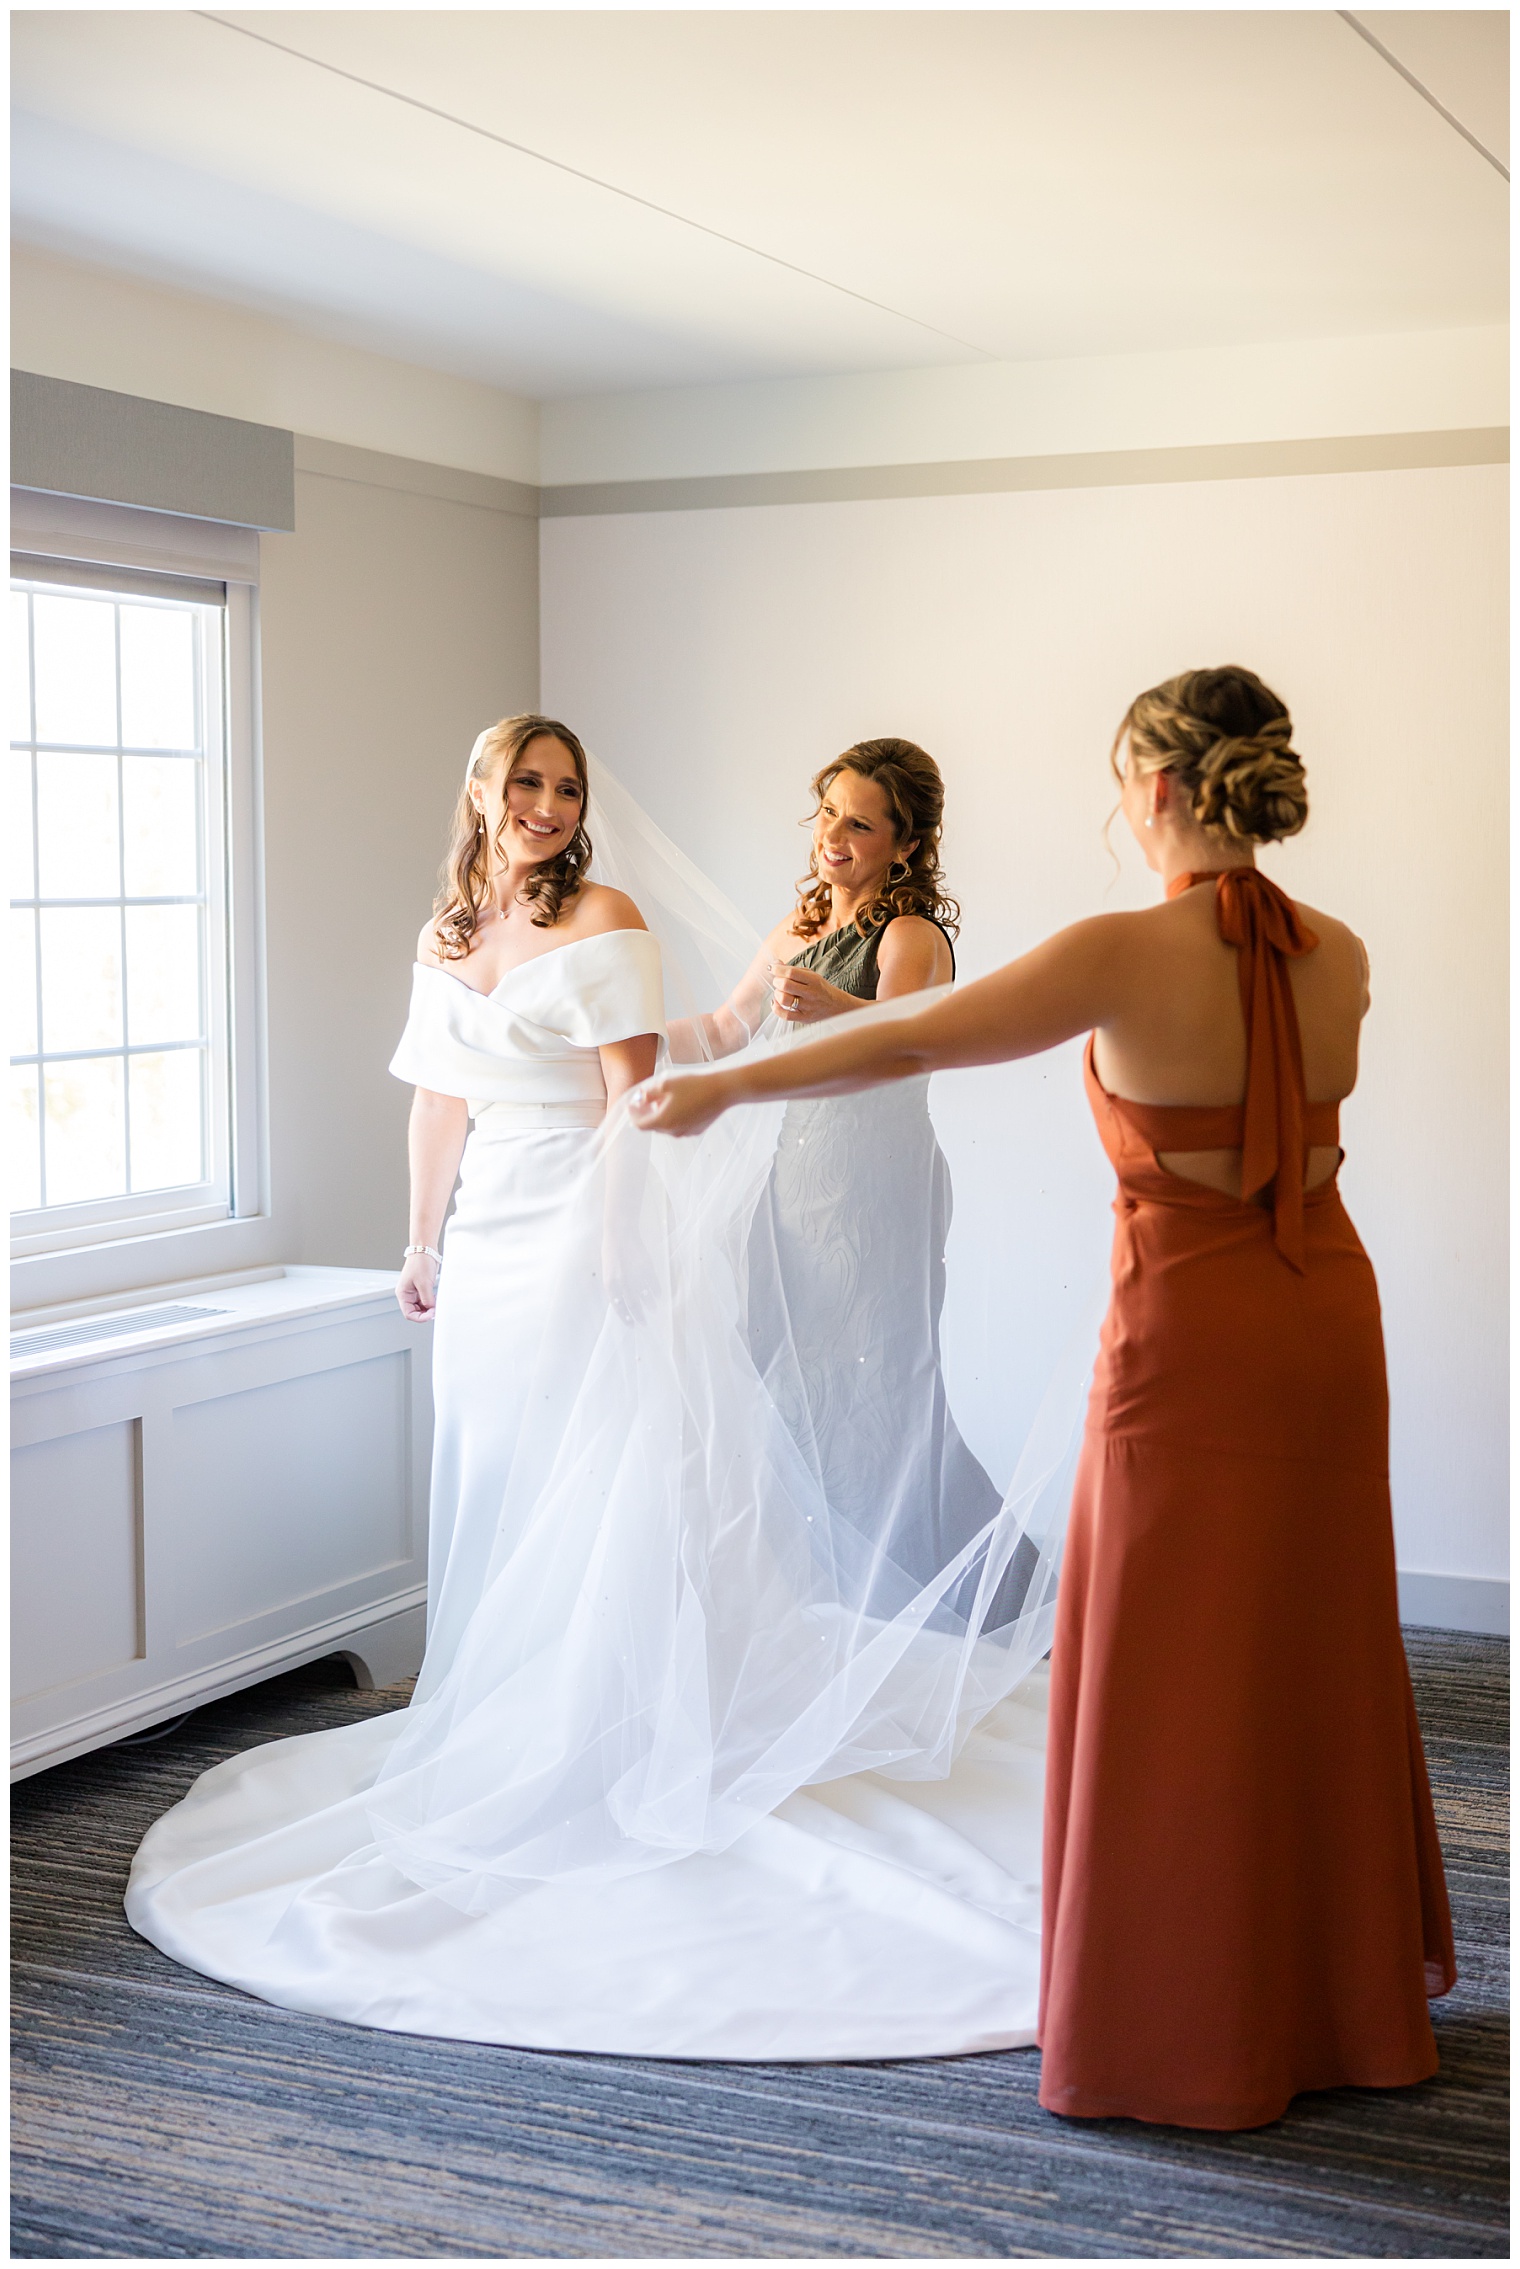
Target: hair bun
[1252,786]
[1228,740]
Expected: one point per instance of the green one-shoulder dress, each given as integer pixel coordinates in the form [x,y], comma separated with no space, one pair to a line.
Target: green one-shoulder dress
[847,957]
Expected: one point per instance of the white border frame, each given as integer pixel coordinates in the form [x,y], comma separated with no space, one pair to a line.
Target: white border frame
[152,1253]
[247,1050]
[53,1229]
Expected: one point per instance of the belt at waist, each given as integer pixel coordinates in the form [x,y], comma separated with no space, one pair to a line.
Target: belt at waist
[494,1120]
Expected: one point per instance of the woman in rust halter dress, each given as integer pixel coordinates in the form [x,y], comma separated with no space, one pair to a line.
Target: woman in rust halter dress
[1243,1890]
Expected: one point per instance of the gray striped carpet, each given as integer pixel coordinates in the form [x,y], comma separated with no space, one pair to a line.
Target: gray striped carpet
[159,2116]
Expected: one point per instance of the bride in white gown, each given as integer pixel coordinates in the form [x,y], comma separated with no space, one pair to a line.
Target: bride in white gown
[703,1761]
[559,1015]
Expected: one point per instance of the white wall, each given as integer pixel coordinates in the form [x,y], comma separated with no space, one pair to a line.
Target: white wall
[717,658]
[394,625]
[97,328]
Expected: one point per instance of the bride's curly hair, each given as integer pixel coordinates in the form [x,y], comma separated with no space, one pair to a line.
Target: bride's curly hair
[910,780]
[465,879]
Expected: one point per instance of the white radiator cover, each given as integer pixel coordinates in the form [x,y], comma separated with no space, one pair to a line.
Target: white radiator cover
[198,1505]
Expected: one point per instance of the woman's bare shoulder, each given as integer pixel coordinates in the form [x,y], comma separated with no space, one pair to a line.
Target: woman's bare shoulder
[1339,947]
[1328,928]
[427,946]
[1105,936]
[597,908]
[905,927]
[913,938]
[1340,957]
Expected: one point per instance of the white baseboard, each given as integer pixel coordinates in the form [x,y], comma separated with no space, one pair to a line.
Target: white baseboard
[385,1651]
[1454,1603]
[399,1625]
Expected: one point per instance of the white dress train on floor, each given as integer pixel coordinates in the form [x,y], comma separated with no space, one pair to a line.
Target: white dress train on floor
[703,1762]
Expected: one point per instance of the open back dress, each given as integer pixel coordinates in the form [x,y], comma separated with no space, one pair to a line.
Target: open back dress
[1243,1891]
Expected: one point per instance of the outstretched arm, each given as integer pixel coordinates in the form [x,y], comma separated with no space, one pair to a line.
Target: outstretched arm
[1065,986]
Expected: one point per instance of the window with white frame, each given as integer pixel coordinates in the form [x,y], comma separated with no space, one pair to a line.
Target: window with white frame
[120,1062]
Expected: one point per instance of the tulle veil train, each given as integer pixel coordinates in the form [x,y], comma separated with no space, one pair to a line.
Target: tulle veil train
[681,1623]
[693,1618]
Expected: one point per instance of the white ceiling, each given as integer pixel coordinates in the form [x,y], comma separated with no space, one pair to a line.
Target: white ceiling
[721,195]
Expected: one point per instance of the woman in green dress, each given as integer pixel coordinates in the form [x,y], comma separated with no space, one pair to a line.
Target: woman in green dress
[846,1274]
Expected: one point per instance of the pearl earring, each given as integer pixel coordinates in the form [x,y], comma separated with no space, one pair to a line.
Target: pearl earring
[1150,819]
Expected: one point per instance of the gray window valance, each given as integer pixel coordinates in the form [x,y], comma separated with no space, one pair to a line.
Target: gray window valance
[69,440]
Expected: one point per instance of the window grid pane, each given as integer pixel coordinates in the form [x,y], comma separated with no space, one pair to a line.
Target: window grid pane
[112,1089]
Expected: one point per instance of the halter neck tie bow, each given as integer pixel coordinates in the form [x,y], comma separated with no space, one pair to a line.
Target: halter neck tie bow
[1262,923]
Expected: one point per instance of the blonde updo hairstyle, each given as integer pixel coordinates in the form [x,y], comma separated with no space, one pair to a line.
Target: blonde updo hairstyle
[1226,740]
[910,780]
[465,880]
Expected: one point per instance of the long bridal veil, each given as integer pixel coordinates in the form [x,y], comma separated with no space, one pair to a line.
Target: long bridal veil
[743,1548]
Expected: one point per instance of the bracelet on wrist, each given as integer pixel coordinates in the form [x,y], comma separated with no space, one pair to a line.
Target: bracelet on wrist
[432,1253]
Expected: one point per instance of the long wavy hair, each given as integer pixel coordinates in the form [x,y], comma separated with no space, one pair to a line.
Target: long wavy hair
[910,780]
[465,878]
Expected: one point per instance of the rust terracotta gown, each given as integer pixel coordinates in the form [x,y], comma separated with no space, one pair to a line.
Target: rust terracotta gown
[1243,1889]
